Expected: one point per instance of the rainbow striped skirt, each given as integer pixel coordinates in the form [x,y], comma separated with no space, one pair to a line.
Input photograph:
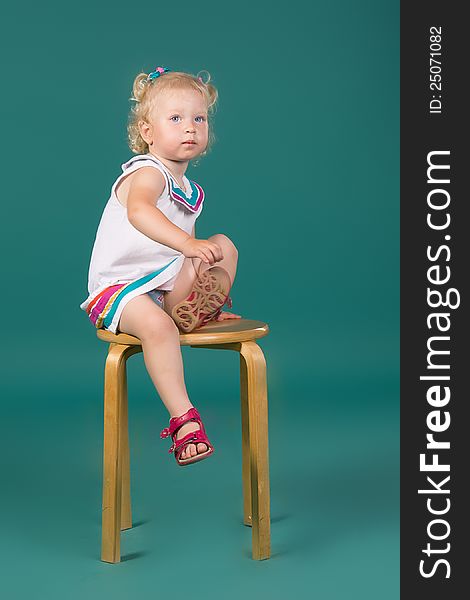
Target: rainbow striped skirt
[104,309]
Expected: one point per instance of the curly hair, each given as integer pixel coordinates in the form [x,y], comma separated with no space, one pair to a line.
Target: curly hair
[144,93]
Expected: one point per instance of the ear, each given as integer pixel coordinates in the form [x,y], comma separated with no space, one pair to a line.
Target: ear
[145,131]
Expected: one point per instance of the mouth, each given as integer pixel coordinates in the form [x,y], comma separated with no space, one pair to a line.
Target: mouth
[190,142]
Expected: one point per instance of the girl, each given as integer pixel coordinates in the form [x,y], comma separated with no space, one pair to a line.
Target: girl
[149,275]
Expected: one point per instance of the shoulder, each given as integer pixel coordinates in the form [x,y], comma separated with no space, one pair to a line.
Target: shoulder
[142,179]
[146,170]
[148,177]
[147,186]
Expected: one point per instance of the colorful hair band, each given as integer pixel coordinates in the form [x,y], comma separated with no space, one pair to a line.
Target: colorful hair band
[158,71]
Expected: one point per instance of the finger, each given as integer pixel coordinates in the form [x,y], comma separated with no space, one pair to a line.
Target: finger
[220,252]
[203,257]
[217,251]
[209,254]
[214,256]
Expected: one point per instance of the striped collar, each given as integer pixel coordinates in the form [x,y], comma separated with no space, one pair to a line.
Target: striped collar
[192,200]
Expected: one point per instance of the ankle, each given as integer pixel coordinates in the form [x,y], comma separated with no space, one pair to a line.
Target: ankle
[180,409]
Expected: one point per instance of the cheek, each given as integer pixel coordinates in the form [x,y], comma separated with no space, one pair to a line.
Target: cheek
[169,132]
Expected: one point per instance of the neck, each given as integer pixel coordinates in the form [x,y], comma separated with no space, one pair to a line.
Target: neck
[176,167]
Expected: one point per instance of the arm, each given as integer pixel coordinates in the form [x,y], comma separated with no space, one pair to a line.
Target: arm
[146,185]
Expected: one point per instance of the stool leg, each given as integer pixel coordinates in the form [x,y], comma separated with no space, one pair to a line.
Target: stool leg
[246,479]
[112,458]
[254,374]
[126,512]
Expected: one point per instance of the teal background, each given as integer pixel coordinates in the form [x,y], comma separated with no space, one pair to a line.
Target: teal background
[304,177]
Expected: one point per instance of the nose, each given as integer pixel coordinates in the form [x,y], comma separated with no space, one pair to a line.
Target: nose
[190,127]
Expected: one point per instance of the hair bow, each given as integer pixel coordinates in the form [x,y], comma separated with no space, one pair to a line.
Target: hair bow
[158,71]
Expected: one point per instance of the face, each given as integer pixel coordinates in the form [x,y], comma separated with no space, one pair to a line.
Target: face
[177,125]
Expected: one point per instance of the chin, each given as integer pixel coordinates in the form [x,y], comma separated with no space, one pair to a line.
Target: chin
[191,155]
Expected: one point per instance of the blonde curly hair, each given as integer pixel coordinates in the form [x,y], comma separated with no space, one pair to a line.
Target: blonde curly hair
[145,92]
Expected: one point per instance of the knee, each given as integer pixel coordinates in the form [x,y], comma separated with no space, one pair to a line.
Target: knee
[226,244]
[159,327]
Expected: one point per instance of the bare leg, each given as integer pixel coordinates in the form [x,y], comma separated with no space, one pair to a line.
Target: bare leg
[192,266]
[143,318]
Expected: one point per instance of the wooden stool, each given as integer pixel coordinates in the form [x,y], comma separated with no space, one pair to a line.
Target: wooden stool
[237,334]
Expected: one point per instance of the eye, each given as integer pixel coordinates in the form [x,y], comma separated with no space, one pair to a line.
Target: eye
[175,117]
[200,119]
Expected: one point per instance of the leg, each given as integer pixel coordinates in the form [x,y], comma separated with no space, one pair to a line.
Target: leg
[246,478]
[192,266]
[255,461]
[112,457]
[159,335]
[253,380]
[126,511]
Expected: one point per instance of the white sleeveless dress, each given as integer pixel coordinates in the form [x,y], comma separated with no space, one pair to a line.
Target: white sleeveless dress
[126,263]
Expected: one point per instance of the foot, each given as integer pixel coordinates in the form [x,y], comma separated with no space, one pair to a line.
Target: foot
[207,297]
[227,315]
[190,449]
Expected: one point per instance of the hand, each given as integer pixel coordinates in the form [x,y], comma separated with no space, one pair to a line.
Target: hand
[208,252]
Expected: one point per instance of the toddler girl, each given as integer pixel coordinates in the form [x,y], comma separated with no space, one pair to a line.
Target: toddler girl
[149,275]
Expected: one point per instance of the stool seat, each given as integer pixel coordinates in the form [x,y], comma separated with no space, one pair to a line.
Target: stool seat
[214,332]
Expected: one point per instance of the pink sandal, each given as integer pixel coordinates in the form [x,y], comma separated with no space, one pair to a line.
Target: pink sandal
[194,437]
[208,296]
